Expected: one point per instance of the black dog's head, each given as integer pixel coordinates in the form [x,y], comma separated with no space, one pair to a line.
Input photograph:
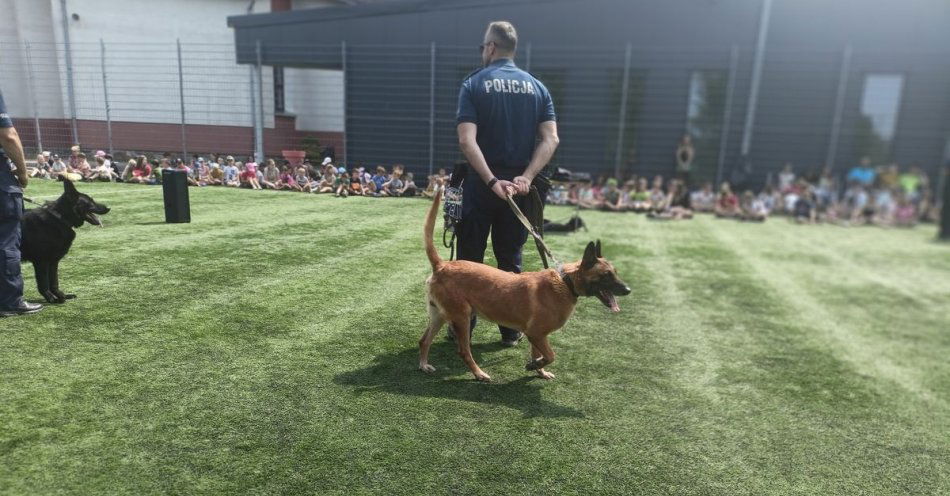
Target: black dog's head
[76,207]
[597,277]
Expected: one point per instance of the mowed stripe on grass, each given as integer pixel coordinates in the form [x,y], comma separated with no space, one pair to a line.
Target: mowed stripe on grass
[270,346]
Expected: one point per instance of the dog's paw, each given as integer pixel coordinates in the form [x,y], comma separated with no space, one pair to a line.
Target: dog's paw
[483,377]
[545,375]
[425,367]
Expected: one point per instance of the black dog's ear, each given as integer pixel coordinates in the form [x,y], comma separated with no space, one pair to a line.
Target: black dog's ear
[590,256]
[68,188]
[598,250]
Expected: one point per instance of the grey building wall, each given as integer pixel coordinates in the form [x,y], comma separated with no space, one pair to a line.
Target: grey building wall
[578,48]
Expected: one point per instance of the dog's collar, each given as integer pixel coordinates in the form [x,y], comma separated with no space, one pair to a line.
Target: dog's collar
[56,215]
[566,279]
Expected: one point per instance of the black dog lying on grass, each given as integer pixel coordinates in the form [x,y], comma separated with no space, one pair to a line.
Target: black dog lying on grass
[48,234]
[575,224]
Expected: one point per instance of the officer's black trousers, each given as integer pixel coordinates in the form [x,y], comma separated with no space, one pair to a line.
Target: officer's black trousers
[484,213]
[11,281]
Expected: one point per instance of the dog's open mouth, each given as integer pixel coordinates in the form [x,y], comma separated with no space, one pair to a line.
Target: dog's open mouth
[93,219]
[609,300]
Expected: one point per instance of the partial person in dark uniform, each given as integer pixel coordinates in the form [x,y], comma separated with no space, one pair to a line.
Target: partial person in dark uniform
[12,179]
[508,133]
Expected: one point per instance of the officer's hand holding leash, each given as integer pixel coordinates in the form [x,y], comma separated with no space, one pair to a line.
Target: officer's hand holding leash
[523,183]
[503,188]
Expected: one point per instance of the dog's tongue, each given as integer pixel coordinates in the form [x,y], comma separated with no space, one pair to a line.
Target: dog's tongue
[94,219]
[614,307]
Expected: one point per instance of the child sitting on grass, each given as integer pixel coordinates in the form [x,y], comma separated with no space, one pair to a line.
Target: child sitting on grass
[341,184]
[329,179]
[249,176]
[271,175]
[215,175]
[393,187]
[408,187]
[804,210]
[102,172]
[753,209]
[287,180]
[378,180]
[356,183]
[303,180]
[727,205]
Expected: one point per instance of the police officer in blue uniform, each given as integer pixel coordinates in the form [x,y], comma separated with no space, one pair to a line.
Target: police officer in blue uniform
[508,133]
[12,179]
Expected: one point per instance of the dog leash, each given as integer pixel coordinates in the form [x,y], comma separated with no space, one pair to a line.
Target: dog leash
[537,237]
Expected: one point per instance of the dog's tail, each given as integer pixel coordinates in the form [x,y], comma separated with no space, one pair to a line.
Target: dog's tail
[429,228]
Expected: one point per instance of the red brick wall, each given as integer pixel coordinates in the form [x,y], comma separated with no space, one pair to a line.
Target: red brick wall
[149,137]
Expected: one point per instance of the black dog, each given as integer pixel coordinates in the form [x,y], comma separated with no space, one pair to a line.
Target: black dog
[575,224]
[48,234]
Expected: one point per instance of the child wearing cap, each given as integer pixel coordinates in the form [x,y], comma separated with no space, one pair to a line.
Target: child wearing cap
[249,176]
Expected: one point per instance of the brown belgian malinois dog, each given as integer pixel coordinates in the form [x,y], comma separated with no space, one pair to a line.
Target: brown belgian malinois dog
[535,303]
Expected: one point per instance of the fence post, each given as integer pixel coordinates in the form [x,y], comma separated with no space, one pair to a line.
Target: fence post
[105,93]
[346,108]
[36,111]
[727,114]
[431,106]
[622,119]
[839,107]
[757,61]
[68,55]
[181,99]
[252,91]
[259,155]
[527,57]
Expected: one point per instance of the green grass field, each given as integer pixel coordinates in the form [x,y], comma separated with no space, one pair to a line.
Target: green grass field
[270,346]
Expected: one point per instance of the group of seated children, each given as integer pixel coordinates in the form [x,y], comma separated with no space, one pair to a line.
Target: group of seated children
[76,168]
[226,171]
[883,196]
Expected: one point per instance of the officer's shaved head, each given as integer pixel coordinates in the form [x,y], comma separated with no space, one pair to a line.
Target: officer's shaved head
[503,34]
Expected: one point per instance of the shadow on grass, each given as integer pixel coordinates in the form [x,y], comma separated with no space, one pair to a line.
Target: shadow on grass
[397,373]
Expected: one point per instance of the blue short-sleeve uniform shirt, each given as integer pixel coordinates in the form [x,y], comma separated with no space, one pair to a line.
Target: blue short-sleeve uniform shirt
[8,182]
[506,104]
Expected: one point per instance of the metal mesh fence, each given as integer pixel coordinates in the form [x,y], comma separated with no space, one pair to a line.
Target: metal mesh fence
[621,110]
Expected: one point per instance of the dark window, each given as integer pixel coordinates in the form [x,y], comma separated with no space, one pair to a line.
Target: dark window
[877,121]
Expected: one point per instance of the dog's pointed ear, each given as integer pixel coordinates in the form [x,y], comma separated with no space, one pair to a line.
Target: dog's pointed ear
[68,188]
[590,256]
[599,255]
